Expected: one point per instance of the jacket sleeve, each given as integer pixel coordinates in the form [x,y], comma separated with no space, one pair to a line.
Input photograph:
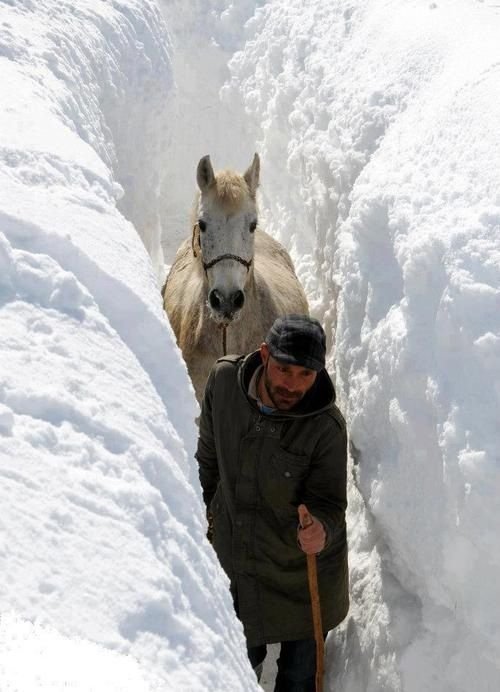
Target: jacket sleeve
[206,454]
[325,492]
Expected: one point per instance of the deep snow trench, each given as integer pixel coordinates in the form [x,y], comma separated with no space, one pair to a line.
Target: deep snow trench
[377,127]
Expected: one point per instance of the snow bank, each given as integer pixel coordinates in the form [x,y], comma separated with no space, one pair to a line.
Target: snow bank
[38,659]
[379,137]
[102,526]
[92,74]
[377,124]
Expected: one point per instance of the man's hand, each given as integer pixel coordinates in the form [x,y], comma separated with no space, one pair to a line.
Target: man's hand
[311,533]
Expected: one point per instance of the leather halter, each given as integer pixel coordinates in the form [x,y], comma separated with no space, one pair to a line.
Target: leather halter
[228,255]
[208,265]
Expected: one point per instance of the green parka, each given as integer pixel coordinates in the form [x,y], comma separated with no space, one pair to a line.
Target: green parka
[255,469]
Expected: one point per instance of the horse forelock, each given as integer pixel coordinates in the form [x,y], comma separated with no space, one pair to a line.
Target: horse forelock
[230,191]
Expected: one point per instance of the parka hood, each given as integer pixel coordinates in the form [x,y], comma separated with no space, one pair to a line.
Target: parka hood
[319,398]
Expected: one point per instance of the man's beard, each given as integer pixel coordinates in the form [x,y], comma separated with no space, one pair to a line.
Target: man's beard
[281,397]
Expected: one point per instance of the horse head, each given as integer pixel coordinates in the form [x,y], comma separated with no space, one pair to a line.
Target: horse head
[224,231]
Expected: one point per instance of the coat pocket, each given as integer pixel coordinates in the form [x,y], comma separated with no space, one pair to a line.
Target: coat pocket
[281,479]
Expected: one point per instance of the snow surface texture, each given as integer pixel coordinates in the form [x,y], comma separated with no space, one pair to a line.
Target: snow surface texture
[381,170]
[102,527]
[377,124]
[39,658]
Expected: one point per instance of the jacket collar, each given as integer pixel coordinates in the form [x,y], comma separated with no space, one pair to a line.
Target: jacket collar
[319,398]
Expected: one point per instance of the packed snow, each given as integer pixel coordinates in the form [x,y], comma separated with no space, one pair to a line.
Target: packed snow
[104,558]
[381,147]
[377,125]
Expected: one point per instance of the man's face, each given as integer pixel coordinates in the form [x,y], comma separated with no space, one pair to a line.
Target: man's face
[286,384]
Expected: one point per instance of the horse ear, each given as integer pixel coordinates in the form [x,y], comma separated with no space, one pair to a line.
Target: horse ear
[205,175]
[252,175]
[195,240]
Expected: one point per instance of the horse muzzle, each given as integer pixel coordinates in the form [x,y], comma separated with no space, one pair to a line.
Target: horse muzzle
[225,308]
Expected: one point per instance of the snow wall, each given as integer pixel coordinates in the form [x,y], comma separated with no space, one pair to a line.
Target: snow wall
[377,123]
[377,127]
[104,559]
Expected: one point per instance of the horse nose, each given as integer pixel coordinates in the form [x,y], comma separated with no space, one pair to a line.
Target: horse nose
[238,299]
[226,306]
[215,299]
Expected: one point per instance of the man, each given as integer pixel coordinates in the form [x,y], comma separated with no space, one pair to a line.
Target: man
[270,439]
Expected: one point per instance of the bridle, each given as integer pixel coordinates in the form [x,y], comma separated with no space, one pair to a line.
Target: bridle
[228,255]
[208,265]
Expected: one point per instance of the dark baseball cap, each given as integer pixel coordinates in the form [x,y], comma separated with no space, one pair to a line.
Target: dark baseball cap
[298,340]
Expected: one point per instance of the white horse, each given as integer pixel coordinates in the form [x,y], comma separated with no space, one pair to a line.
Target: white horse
[230,280]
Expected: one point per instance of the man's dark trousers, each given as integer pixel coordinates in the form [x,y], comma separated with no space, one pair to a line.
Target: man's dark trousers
[296,665]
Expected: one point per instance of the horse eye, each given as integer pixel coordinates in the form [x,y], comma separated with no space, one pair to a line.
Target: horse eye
[202,225]
[253,226]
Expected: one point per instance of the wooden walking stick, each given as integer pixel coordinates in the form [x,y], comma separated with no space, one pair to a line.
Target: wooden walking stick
[305,520]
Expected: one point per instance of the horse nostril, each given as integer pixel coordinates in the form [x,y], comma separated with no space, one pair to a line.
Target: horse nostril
[214,299]
[238,299]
